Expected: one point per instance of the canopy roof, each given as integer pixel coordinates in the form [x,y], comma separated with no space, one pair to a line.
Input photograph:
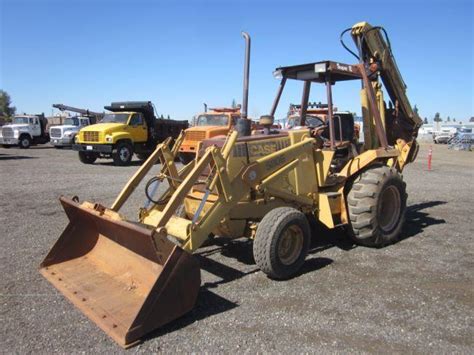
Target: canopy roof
[321,72]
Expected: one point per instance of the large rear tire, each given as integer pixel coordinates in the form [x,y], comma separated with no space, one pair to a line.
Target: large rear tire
[281,242]
[87,157]
[123,154]
[377,205]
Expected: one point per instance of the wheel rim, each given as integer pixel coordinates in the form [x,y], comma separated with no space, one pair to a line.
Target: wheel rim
[124,154]
[389,209]
[290,245]
[24,142]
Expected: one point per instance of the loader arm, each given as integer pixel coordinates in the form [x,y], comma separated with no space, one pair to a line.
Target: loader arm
[223,192]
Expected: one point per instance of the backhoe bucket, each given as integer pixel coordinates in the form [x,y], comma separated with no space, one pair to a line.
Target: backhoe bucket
[121,275]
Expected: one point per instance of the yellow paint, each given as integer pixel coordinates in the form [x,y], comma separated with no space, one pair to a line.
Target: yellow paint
[113,131]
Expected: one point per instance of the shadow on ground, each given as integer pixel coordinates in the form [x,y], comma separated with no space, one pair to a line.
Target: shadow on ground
[15,157]
[417,219]
[209,303]
[111,163]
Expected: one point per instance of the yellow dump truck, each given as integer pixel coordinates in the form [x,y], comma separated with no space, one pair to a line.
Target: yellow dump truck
[129,128]
[210,124]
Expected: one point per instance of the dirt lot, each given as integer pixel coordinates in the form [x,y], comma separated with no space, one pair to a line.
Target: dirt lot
[415,296]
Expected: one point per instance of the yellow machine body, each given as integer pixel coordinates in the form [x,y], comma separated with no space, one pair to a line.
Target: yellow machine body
[131,277]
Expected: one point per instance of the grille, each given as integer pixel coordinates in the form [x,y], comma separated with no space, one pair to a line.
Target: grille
[195,136]
[91,136]
[56,132]
[7,132]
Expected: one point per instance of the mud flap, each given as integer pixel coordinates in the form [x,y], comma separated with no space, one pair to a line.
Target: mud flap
[121,275]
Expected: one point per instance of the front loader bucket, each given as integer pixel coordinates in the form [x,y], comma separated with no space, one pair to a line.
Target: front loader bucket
[125,279]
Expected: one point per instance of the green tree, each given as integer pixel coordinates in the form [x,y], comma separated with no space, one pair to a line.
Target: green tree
[168,117]
[415,109]
[425,121]
[448,119]
[234,104]
[454,120]
[437,117]
[5,104]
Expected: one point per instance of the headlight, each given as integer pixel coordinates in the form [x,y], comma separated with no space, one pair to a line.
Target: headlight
[109,139]
[76,139]
[16,133]
[68,133]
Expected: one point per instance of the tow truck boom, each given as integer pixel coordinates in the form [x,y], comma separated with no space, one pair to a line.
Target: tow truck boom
[85,112]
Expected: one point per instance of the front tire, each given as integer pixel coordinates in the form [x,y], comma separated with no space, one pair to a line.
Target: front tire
[281,242]
[377,205]
[25,142]
[87,157]
[123,154]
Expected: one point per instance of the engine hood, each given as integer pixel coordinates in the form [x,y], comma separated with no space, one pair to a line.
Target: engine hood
[205,128]
[104,127]
[16,126]
[204,132]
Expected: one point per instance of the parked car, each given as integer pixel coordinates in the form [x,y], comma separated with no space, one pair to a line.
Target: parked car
[442,138]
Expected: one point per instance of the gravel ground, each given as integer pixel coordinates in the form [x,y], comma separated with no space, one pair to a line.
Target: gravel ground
[415,296]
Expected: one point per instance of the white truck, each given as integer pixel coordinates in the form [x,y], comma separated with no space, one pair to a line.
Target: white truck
[63,135]
[24,131]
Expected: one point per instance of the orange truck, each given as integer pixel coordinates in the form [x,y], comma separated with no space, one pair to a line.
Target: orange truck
[209,124]
[316,115]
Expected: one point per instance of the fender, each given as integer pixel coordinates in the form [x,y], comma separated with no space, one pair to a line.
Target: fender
[355,165]
[119,136]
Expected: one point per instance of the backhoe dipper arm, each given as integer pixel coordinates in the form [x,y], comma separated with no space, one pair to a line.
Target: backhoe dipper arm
[375,49]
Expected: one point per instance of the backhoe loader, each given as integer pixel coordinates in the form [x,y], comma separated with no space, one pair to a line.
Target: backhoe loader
[131,277]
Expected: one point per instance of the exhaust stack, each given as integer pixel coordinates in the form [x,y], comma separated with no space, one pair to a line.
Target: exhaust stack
[243,125]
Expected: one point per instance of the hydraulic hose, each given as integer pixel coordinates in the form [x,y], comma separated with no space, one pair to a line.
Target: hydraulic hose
[341,39]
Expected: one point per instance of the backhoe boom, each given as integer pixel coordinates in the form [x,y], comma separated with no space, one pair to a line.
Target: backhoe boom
[374,49]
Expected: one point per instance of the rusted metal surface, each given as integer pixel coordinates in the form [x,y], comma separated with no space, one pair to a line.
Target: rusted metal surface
[277,97]
[338,71]
[373,107]
[304,101]
[330,112]
[125,278]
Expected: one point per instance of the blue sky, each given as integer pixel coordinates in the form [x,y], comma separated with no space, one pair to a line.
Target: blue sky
[180,54]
